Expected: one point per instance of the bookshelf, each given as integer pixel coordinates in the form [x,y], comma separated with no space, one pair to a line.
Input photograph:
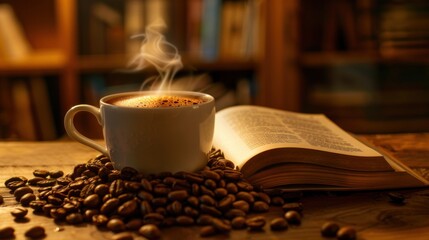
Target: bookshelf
[361,62]
[293,58]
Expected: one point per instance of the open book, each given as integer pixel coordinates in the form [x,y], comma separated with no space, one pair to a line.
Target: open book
[276,148]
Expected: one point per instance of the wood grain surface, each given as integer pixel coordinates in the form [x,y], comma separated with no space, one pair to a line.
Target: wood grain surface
[370,213]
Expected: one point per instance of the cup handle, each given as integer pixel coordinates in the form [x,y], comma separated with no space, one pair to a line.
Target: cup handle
[75,134]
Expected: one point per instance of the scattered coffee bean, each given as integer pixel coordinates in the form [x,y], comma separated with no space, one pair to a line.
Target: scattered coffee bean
[293,217]
[19,192]
[260,206]
[74,218]
[295,206]
[238,223]
[41,173]
[134,224]
[329,229]
[220,225]
[123,236]
[19,212]
[35,232]
[27,198]
[1,199]
[34,181]
[184,220]
[7,233]
[150,231]
[207,231]
[278,224]
[346,233]
[116,225]
[217,197]
[56,174]
[256,223]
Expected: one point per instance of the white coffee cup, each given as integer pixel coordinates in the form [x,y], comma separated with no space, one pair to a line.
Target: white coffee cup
[151,139]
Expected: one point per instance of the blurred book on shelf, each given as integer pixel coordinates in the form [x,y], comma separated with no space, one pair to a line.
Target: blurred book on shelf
[403,28]
[201,29]
[13,42]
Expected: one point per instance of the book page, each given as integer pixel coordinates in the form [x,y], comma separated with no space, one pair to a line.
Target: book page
[244,131]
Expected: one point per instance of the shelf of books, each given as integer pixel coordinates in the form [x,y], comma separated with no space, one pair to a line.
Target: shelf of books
[369,71]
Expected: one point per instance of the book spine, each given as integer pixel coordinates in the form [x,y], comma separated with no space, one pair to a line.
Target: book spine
[14,42]
[210,29]
[194,27]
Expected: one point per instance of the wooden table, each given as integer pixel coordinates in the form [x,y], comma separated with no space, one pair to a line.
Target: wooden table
[371,213]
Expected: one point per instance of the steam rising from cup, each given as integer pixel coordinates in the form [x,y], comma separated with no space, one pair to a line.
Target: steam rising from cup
[155,50]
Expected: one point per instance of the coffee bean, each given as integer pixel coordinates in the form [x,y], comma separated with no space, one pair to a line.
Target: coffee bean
[64,180]
[153,218]
[19,212]
[256,223]
[211,184]
[128,208]
[178,195]
[238,223]
[134,224]
[27,198]
[56,174]
[37,205]
[206,199]
[329,229]
[100,220]
[115,225]
[123,236]
[1,199]
[101,189]
[210,175]
[204,219]
[207,231]
[35,232]
[74,218]
[184,220]
[34,181]
[58,213]
[91,201]
[46,182]
[296,206]
[220,192]
[117,187]
[346,233]
[242,205]
[13,185]
[7,233]
[293,217]
[210,210]
[191,211]
[150,231]
[260,206]
[19,192]
[54,200]
[246,197]
[244,186]
[278,224]
[109,206]
[161,189]
[232,213]
[41,173]
[277,201]
[220,225]
[226,202]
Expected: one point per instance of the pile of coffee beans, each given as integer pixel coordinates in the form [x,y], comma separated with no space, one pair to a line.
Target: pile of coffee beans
[217,198]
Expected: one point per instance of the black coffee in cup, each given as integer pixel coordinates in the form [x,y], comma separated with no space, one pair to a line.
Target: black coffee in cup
[155,101]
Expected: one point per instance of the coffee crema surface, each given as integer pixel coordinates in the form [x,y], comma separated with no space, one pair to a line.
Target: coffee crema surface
[156,101]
